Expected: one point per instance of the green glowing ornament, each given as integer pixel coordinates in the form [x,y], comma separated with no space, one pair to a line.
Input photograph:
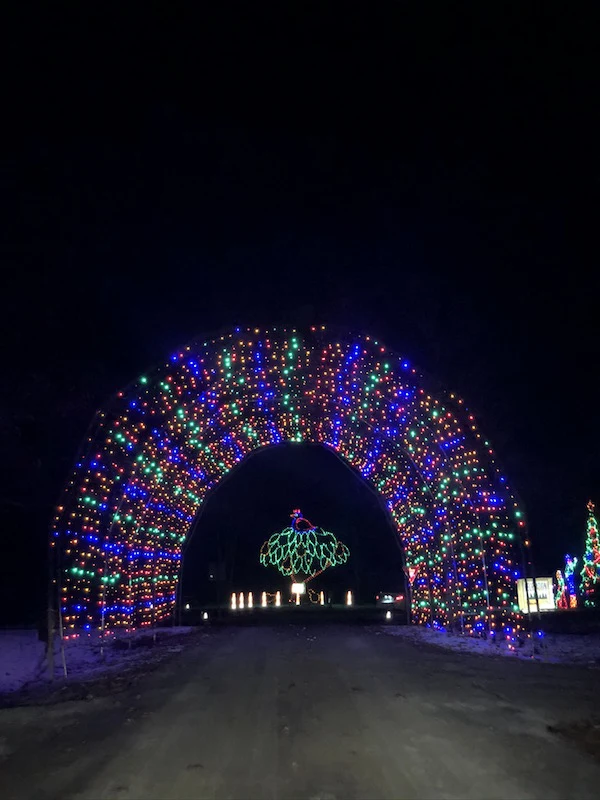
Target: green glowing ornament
[303,551]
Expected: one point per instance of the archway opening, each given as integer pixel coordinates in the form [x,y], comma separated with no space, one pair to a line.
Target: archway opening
[221,555]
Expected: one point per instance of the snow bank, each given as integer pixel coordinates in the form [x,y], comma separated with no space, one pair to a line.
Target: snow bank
[23,661]
[21,658]
[553,648]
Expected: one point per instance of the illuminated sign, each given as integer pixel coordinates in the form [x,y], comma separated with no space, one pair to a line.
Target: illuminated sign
[545,595]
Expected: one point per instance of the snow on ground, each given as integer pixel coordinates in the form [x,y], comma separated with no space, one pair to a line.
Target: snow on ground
[21,654]
[23,661]
[558,648]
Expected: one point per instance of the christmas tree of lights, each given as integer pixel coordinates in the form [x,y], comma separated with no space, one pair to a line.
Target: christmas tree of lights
[302,550]
[590,571]
[163,443]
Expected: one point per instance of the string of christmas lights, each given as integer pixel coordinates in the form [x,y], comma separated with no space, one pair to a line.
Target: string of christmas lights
[171,437]
[569,576]
[302,550]
[590,570]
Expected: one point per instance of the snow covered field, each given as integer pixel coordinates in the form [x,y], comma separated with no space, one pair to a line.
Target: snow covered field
[23,663]
[558,648]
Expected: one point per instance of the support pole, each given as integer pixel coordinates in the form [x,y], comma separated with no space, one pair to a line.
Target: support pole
[50,643]
[407,593]
[450,531]
[54,598]
[103,614]
[485,582]
[62,644]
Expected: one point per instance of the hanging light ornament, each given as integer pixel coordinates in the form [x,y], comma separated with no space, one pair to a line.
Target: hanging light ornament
[302,550]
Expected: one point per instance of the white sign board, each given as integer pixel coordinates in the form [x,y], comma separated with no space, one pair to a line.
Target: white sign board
[298,588]
[545,595]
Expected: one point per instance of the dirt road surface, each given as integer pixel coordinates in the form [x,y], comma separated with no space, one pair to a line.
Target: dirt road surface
[311,712]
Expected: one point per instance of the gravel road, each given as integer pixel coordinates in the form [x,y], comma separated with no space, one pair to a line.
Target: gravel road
[328,712]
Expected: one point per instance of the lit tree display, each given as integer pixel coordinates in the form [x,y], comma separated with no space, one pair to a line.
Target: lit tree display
[165,441]
[302,551]
[590,571]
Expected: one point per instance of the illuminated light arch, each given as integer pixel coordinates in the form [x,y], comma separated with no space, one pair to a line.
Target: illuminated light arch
[169,438]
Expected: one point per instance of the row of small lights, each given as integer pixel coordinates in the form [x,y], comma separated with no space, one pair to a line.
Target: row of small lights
[238,601]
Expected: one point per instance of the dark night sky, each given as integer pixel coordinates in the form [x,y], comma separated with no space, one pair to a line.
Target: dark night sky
[429,177]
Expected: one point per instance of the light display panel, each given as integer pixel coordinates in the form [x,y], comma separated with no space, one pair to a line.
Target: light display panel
[169,438]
